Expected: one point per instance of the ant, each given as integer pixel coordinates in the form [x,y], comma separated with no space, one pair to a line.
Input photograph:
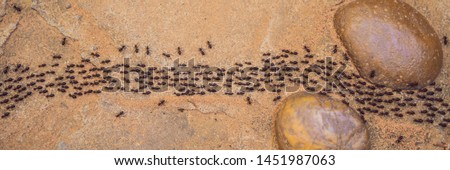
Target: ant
[413,84]
[249,101]
[64,41]
[277,98]
[210,46]
[96,54]
[122,48]
[166,55]
[5,115]
[399,139]
[306,48]
[372,74]
[161,103]
[57,56]
[410,112]
[398,115]
[335,49]
[147,50]
[136,48]
[201,51]
[120,114]
[10,107]
[6,70]
[345,102]
[17,8]
[445,39]
[418,120]
[106,61]
[179,50]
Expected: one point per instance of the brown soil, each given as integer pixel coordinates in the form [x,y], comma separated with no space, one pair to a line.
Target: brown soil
[240,31]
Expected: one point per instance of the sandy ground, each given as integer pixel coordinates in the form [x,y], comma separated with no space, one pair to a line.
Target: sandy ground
[240,31]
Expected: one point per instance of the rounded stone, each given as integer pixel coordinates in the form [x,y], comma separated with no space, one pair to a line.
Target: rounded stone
[390,43]
[311,121]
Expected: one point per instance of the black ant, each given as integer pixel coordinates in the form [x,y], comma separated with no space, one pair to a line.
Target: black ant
[384,113]
[161,103]
[96,54]
[5,115]
[179,50]
[147,50]
[399,139]
[410,112]
[277,98]
[122,48]
[445,39]
[409,92]
[201,51]
[64,41]
[335,49]
[418,120]
[120,114]
[57,56]
[423,90]
[166,55]
[306,49]
[210,46]
[136,48]
[395,109]
[249,101]
[345,102]
[398,114]
[372,74]
[10,107]
[17,8]
[413,84]
[106,61]
[6,70]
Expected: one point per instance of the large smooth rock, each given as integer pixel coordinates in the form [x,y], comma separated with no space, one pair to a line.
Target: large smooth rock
[390,42]
[312,121]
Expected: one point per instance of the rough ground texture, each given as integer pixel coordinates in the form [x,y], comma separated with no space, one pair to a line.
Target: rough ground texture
[241,31]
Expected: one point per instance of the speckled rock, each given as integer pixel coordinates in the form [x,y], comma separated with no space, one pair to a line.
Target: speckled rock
[312,121]
[390,42]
